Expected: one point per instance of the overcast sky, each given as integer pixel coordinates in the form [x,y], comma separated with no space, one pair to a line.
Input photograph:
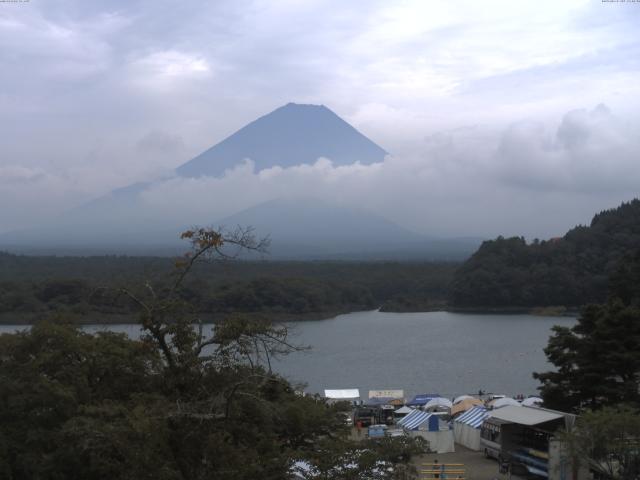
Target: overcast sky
[502,117]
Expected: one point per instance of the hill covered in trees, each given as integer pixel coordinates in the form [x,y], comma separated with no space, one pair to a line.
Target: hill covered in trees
[570,271]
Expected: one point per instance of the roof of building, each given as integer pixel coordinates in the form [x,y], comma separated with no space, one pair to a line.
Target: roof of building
[525,415]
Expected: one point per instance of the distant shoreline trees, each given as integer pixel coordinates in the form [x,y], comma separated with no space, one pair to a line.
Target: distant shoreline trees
[33,287]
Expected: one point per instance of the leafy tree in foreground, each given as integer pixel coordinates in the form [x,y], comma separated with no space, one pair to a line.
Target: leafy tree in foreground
[598,360]
[177,404]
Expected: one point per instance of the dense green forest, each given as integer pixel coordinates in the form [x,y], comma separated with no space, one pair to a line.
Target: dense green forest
[570,271]
[32,286]
[506,273]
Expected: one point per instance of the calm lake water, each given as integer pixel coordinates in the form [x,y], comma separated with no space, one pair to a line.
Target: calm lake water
[434,352]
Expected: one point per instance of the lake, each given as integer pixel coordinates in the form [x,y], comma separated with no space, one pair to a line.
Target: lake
[430,352]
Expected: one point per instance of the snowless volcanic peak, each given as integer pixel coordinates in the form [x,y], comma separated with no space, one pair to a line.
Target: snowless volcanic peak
[290,135]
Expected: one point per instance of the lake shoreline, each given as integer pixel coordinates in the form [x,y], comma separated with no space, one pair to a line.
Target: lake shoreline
[97,318]
[207,319]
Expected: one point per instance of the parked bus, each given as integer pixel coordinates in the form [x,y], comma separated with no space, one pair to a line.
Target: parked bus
[491,438]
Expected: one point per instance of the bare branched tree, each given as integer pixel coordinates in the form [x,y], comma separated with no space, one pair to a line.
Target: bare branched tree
[178,331]
[166,317]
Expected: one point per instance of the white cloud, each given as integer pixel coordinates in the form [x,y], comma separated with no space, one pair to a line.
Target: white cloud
[97,95]
[172,63]
[460,183]
[531,180]
[30,195]
[591,151]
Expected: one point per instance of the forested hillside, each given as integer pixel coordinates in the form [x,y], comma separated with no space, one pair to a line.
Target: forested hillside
[569,271]
[33,286]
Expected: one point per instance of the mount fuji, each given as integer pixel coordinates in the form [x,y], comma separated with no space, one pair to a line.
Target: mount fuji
[121,221]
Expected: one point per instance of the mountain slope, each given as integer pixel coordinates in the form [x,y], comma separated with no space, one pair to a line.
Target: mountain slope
[312,229]
[290,135]
[315,225]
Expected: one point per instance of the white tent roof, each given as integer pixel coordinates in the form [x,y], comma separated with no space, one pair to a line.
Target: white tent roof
[532,401]
[343,394]
[525,415]
[503,402]
[404,409]
[438,402]
[461,398]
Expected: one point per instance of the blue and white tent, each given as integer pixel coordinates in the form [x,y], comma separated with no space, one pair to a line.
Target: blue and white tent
[422,399]
[407,417]
[427,425]
[473,417]
[419,420]
[466,427]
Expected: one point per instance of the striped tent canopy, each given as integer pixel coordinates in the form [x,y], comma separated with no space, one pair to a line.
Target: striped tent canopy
[408,417]
[473,417]
[417,418]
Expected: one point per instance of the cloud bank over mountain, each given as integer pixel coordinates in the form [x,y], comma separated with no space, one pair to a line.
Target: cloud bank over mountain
[529,179]
[476,102]
[590,152]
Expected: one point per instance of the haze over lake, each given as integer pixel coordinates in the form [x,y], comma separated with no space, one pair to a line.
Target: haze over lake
[437,352]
